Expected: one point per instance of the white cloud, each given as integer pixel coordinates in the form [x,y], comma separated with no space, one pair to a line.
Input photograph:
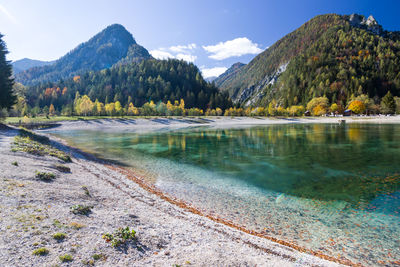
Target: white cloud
[182,48]
[232,48]
[160,54]
[8,14]
[183,52]
[186,57]
[213,72]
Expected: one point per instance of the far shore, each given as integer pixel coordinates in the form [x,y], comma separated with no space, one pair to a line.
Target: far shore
[154,123]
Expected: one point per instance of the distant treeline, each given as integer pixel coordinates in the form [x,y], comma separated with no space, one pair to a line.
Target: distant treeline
[137,83]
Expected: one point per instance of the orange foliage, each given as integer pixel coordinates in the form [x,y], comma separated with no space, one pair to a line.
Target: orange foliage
[48,92]
[357,106]
[319,110]
[52,111]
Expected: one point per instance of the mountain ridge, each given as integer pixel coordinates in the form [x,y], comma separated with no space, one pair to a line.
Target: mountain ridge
[230,72]
[27,63]
[260,81]
[103,50]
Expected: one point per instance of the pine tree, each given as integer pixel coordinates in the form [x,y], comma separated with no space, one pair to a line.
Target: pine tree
[7,98]
[388,105]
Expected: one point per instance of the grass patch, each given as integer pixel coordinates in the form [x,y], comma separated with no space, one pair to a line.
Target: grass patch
[32,143]
[120,236]
[59,236]
[15,163]
[76,225]
[45,176]
[62,168]
[66,258]
[81,209]
[86,190]
[40,252]
[97,257]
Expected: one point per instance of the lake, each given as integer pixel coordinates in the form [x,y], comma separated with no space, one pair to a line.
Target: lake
[326,187]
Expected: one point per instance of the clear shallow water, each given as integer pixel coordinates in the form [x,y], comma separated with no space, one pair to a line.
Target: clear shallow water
[334,189]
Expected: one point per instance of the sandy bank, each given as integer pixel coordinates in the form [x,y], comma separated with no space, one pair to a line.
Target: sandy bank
[32,211]
[150,124]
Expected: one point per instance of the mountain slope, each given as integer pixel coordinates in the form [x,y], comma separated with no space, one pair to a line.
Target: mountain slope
[332,55]
[26,63]
[101,51]
[228,74]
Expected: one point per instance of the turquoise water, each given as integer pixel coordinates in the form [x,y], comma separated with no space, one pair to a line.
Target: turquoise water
[334,189]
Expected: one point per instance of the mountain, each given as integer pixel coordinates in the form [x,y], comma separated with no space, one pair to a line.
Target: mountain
[137,83]
[337,56]
[26,63]
[105,49]
[228,74]
[210,79]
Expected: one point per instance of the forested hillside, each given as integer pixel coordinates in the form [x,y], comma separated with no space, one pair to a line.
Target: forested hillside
[340,57]
[136,83]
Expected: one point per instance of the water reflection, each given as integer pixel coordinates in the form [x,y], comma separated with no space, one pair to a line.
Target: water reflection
[330,188]
[353,163]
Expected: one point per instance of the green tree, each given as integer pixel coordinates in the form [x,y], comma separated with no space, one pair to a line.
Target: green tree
[7,98]
[388,105]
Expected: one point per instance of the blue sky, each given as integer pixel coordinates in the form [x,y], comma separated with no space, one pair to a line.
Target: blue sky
[213,34]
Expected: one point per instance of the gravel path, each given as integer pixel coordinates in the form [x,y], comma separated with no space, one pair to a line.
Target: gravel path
[31,211]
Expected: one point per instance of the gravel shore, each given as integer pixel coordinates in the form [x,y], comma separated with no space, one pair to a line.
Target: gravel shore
[32,211]
[154,123]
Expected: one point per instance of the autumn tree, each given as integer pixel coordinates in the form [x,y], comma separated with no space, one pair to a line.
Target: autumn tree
[334,108]
[132,110]
[118,108]
[357,106]
[318,105]
[110,109]
[85,106]
[52,111]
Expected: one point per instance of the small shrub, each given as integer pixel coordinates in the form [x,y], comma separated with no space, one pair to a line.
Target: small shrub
[97,257]
[81,209]
[76,225]
[88,262]
[59,236]
[45,176]
[40,252]
[66,258]
[120,236]
[62,168]
[15,163]
[86,190]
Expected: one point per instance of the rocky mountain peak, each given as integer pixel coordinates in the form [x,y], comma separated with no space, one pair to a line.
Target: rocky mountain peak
[369,24]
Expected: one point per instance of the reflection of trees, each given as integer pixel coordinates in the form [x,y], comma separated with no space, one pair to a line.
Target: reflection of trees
[314,161]
[323,161]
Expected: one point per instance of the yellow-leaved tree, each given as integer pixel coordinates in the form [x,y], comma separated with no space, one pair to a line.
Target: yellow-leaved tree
[318,106]
[110,109]
[118,108]
[132,110]
[357,106]
[85,105]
